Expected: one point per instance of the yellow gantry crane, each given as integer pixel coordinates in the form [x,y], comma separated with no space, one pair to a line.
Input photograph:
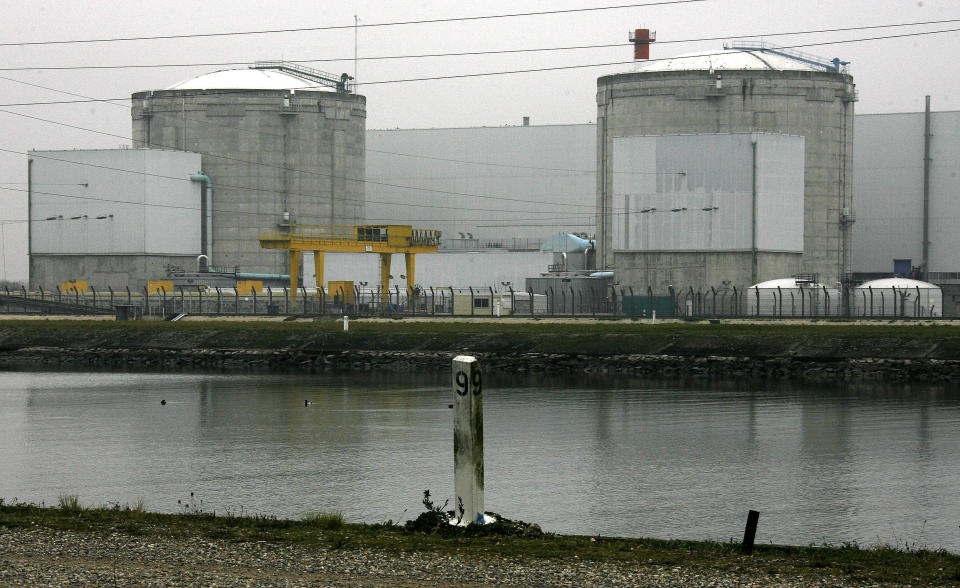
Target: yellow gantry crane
[383,239]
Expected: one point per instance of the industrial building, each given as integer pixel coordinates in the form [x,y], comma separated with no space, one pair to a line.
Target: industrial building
[280,144]
[268,155]
[745,89]
[907,180]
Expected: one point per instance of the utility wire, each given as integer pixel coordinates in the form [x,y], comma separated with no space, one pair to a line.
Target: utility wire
[481,53]
[237,212]
[536,70]
[352,26]
[260,133]
[357,200]
[472,75]
[591,65]
[306,172]
[208,123]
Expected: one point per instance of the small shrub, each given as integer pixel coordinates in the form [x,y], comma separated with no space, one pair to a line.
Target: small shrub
[69,502]
[328,521]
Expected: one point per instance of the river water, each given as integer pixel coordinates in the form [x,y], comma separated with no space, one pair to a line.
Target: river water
[870,463]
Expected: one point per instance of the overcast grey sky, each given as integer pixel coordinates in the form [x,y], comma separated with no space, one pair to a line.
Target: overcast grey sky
[892,75]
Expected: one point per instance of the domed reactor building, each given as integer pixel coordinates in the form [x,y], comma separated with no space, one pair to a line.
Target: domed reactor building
[725,167]
[280,144]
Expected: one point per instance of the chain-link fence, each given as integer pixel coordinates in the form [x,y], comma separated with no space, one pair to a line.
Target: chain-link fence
[487,301]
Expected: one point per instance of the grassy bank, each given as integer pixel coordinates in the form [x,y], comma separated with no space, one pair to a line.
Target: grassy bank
[330,532]
[772,339]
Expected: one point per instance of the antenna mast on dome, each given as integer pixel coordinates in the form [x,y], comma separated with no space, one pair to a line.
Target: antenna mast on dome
[342,84]
[834,64]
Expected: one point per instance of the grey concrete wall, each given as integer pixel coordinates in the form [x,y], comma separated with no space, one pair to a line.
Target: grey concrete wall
[888,181]
[103,271]
[815,105]
[701,270]
[491,182]
[264,157]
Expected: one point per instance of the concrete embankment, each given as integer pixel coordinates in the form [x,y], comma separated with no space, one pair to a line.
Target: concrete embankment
[764,350]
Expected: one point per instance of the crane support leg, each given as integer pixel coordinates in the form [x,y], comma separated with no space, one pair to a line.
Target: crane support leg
[385,279]
[318,269]
[294,272]
[411,267]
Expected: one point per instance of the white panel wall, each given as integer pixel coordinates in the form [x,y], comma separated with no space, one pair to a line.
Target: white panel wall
[146,196]
[695,192]
[780,169]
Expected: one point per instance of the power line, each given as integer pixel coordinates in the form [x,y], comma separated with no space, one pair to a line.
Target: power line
[432,158]
[318,174]
[176,178]
[231,211]
[208,123]
[531,70]
[478,53]
[591,65]
[351,26]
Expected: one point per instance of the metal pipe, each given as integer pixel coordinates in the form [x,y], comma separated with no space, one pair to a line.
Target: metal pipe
[256,276]
[29,216]
[753,233]
[924,269]
[206,215]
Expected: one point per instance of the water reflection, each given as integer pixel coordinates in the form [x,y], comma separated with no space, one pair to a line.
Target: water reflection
[613,456]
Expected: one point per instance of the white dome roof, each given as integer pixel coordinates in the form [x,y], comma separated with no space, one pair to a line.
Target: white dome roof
[248,79]
[899,283]
[725,60]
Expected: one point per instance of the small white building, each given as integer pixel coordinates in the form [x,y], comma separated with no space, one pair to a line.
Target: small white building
[793,297]
[897,297]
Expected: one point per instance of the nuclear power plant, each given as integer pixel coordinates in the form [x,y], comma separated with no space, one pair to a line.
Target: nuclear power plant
[725,169]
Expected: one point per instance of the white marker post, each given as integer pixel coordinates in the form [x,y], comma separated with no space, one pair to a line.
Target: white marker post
[346,323]
[468,439]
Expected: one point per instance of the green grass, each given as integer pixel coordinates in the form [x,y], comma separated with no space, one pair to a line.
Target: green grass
[848,562]
[328,521]
[69,502]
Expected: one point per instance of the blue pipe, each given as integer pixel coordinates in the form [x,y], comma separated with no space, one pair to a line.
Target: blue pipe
[256,276]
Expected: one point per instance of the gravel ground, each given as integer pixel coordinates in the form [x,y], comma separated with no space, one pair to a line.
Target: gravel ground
[46,557]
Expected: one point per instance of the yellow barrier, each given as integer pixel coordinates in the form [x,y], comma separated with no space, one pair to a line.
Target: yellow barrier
[78,286]
[333,289]
[154,285]
[247,287]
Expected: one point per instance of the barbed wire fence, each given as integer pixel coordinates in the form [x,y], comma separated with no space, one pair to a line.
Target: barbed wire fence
[484,301]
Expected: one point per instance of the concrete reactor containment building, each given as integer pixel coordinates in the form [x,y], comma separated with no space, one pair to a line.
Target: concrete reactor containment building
[280,143]
[697,168]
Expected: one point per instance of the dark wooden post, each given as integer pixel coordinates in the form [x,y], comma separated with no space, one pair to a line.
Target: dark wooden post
[750,531]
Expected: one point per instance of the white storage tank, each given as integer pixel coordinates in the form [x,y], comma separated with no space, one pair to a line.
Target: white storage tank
[897,297]
[795,296]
